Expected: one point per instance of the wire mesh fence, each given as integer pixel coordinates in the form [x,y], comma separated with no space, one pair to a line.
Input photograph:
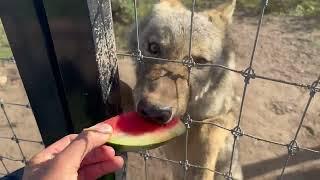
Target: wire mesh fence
[248,75]
[13,145]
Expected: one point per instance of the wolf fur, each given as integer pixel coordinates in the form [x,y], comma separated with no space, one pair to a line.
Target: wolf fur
[209,95]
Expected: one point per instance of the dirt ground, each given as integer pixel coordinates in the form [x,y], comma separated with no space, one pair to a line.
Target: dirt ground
[288,49]
[21,119]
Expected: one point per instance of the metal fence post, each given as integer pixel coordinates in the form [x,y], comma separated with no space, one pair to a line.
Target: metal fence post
[86,59]
[82,34]
[29,37]
[65,53]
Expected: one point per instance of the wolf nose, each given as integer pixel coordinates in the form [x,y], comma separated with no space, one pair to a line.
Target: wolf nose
[158,114]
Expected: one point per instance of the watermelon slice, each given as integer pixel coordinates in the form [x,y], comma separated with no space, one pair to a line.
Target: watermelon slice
[133,132]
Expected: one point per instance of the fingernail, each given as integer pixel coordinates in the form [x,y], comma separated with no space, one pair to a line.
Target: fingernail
[102,128]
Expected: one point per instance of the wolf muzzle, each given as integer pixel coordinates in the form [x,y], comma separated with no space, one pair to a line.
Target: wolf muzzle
[161,115]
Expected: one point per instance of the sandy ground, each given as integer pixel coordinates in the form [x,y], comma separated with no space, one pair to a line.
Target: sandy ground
[288,49]
[21,119]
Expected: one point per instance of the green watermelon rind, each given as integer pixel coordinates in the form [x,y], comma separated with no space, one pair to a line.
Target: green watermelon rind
[125,148]
[127,143]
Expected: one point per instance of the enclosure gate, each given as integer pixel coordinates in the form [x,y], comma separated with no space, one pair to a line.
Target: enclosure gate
[70,80]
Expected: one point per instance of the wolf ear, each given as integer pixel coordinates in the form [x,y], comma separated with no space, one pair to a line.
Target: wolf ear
[222,15]
[171,2]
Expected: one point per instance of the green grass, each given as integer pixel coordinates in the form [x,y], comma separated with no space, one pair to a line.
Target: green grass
[284,7]
[123,17]
[5,51]
[307,8]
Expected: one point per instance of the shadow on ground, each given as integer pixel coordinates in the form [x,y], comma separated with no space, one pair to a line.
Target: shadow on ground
[262,167]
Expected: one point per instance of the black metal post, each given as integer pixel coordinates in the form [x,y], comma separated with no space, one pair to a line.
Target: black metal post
[29,37]
[65,54]
[79,57]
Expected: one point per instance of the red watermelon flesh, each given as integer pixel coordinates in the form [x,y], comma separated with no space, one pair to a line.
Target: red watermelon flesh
[132,132]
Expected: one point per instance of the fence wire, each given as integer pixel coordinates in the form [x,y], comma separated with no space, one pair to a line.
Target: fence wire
[248,74]
[22,158]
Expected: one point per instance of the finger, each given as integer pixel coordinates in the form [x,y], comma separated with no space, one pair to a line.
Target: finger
[99,154]
[86,141]
[97,170]
[53,149]
[60,145]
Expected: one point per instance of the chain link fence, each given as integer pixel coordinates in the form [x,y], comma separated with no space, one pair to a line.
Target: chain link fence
[14,144]
[248,75]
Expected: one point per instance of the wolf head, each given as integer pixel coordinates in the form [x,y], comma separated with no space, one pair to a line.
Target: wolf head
[162,90]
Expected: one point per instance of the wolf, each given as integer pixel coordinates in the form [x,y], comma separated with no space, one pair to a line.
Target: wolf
[165,90]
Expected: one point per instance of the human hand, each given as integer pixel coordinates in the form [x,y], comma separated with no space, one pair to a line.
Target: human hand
[76,157]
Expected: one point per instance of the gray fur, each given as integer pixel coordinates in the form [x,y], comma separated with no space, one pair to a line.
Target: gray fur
[210,92]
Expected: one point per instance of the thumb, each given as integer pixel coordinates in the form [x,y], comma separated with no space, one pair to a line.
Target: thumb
[86,141]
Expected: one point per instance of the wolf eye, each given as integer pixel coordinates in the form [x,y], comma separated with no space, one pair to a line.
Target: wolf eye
[200,60]
[154,48]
